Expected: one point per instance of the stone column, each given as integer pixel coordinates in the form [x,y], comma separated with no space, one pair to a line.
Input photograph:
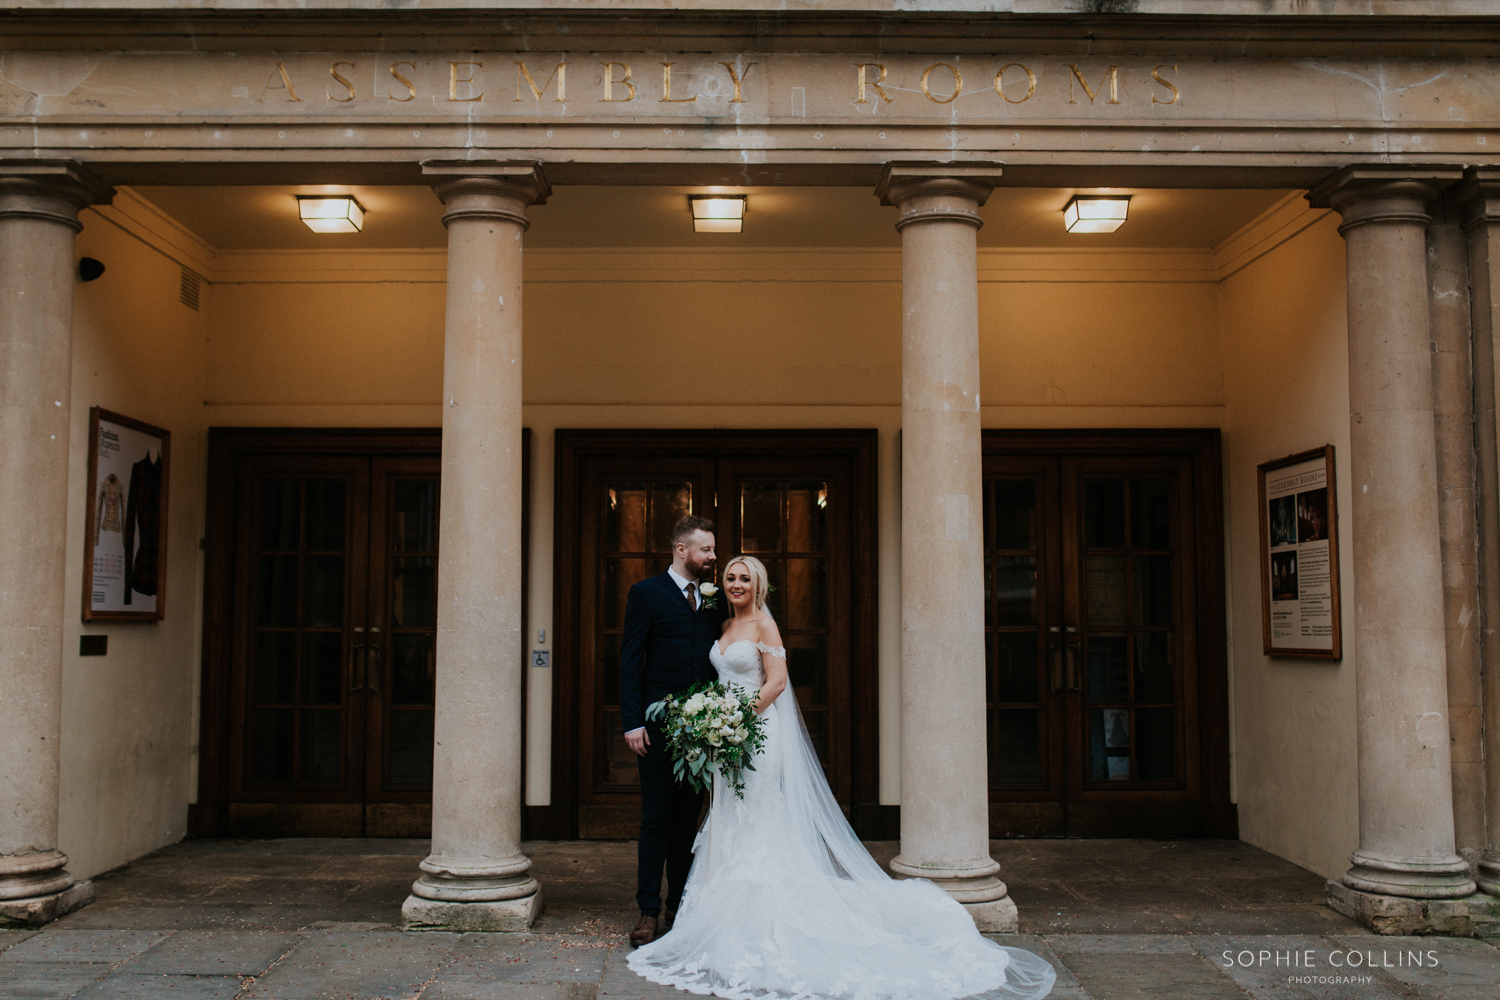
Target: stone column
[944,782]
[1406,845]
[39,205]
[1453,416]
[1480,196]
[476,877]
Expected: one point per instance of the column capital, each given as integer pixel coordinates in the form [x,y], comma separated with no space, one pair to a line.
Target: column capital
[504,188]
[1478,196]
[1363,194]
[54,190]
[937,192]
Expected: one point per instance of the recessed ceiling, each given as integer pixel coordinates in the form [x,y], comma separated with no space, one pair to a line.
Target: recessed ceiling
[265,218]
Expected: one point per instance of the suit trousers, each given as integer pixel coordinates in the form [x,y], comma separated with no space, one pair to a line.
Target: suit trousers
[669,822]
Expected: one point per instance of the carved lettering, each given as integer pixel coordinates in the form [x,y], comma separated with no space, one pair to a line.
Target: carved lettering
[666,87]
[560,72]
[875,84]
[958,83]
[333,71]
[1030,84]
[737,78]
[411,91]
[1156,75]
[286,84]
[1112,75]
[454,80]
[610,81]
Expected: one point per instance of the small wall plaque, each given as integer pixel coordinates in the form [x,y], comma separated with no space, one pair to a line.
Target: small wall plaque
[93,645]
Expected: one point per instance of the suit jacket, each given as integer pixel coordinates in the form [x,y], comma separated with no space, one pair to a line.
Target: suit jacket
[665,646]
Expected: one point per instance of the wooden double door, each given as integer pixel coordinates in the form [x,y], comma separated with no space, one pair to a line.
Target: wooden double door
[324,624]
[1106,701]
[801,503]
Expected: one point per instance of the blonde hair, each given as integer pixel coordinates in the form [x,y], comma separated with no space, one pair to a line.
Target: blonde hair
[759,579]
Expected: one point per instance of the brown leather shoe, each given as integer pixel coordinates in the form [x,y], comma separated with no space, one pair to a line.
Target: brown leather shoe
[645,931]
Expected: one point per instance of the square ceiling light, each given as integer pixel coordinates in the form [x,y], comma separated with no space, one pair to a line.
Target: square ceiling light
[1096,213]
[324,213]
[718,213]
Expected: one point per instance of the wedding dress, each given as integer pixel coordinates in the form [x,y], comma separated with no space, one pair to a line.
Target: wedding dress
[784,903]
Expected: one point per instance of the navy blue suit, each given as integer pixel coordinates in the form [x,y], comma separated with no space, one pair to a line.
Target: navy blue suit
[664,650]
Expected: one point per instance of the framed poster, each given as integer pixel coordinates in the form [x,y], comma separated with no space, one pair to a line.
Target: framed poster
[1299,557]
[125,540]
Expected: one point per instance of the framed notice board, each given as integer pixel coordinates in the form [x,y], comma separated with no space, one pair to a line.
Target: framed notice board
[125,539]
[1299,556]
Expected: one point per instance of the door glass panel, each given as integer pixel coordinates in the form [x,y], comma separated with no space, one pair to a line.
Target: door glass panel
[412,668]
[760,517]
[1153,590]
[273,744]
[1012,590]
[325,515]
[275,667]
[1015,746]
[807,669]
[1109,739]
[1011,505]
[807,517]
[806,600]
[1153,667]
[1109,669]
[670,503]
[416,515]
[405,663]
[1150,514]
[280,514]
[277,586]
[1104,513]
[1104,590]
[325,592]
[322,668]
[322,744]
[414,592]
[1013,662]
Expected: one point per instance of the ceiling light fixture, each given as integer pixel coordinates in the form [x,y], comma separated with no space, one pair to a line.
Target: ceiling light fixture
[1096,213]
[718,213]
[331,213]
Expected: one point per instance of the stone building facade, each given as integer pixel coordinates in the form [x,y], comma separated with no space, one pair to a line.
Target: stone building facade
[1005,474]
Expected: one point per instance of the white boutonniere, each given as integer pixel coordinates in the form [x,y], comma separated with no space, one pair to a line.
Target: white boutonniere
[710,595]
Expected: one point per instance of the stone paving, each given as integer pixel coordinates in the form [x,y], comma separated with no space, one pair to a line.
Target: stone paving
[316,920]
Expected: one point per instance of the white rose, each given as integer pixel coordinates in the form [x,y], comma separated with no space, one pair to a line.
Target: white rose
[714,739]
[708,590]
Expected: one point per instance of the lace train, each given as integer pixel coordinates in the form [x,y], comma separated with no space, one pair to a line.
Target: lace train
[784,902]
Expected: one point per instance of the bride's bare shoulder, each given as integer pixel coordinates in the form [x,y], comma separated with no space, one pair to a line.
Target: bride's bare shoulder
[768,637]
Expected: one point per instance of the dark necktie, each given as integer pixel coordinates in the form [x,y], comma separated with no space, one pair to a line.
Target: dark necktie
[691,596]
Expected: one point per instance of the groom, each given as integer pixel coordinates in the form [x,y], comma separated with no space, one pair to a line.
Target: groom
[668,633]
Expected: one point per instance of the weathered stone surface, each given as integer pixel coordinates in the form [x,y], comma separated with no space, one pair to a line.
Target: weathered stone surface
[41,910]
[1471,916]
[418,914]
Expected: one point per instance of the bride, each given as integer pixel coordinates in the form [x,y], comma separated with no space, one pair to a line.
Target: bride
[783,902]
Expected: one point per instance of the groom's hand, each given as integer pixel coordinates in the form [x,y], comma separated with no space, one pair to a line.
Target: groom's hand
[638,741]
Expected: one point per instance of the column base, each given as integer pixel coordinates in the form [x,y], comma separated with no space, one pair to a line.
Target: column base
[1489,873]
[419,914]
[1475,915]
[34,911]
[998,916]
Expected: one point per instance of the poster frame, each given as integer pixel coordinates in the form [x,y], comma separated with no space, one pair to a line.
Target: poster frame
[164,436]
[1337,652]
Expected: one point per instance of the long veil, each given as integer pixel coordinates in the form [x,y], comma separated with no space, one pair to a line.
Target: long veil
[785,903]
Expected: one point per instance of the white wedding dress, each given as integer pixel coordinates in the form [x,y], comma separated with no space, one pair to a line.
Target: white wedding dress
[784,903]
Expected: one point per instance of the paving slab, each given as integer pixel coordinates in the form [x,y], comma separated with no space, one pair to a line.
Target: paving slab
[47,980]
[215,953]
[1263,965]
[475,990]
[129,986]
[9,939]
[358,965]
[620,983]
[1038,946]
[1118,944]
[524,958]
[1151,976]
[1429,961]
[106,946]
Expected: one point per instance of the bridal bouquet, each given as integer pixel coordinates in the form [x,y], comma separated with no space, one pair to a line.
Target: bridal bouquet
[711,727]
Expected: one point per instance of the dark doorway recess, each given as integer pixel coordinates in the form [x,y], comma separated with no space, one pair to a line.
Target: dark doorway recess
[804,502]
[320,628]
[1105,638]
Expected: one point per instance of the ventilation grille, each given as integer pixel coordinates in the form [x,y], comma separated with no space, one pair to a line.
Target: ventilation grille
[191,284]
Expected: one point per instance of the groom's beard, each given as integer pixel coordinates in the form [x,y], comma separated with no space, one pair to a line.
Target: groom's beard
[701,571]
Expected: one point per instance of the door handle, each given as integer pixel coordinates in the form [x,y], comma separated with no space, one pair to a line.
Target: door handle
[1072,657]
[372,668]
[356,667]
[1055,649]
